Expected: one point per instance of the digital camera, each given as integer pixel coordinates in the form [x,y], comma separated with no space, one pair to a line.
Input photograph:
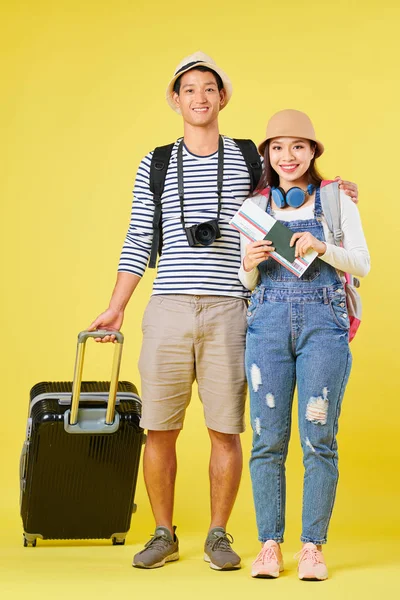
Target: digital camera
[203,234]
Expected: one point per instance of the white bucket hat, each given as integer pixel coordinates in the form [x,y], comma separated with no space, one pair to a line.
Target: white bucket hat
[198,59]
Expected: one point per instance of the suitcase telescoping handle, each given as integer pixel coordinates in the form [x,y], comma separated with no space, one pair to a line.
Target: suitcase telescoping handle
[76,385]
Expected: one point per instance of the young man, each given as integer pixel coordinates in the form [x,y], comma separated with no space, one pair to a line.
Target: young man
[195,323]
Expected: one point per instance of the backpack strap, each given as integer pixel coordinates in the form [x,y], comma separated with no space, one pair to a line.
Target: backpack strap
[158,171]
[330,201]
[252,160]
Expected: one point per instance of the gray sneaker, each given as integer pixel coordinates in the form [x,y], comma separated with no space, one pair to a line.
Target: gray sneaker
[161,548]
[218,551]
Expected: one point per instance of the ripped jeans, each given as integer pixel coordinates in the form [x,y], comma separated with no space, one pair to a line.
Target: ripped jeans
[296,337]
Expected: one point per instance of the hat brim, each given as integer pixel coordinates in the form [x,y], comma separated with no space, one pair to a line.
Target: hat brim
[320,147]
[225,80]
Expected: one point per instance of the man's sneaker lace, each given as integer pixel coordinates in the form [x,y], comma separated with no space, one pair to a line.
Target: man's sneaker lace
[161,548]
[218,551]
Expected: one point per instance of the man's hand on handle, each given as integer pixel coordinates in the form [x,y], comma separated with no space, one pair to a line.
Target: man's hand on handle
[113,317]
[110,319]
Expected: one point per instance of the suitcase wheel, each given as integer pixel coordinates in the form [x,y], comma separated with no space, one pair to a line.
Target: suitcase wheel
[29,542]
[118,541]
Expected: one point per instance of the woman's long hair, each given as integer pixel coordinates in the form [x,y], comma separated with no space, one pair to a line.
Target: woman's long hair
[270,178]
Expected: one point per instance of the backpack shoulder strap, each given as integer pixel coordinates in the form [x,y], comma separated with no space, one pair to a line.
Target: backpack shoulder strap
[158,171]
[252,160]
[330,201]
[158,168]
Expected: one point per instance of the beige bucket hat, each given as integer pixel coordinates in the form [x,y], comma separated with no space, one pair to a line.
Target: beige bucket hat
[291,123]
[198,59]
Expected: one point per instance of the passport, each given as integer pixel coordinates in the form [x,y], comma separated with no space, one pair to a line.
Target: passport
[280,236]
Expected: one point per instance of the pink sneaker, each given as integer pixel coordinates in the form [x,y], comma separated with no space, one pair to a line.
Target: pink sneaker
[312,565]
[269,562]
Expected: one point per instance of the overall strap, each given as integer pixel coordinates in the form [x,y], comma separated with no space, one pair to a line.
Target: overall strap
[158,171]
[252,160]
[317,205]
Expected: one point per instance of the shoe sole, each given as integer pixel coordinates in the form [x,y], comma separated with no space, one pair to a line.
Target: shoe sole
[169,558]
[226,567]
[269,576]
[313,578]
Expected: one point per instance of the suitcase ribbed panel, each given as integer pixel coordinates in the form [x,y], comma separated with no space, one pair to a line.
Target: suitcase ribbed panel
[48,387]
[80,486]
[50,406]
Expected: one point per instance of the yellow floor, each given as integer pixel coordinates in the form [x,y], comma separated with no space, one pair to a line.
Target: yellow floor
[359,570]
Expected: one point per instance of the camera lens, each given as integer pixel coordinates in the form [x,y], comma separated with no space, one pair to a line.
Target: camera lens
[205,234]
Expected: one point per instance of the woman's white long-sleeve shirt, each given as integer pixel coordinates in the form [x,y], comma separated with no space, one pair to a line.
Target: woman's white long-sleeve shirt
[352,257]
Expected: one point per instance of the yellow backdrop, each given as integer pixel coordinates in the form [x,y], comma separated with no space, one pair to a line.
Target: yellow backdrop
[83,100]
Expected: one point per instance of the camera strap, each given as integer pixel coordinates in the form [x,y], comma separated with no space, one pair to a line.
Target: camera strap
[220,177]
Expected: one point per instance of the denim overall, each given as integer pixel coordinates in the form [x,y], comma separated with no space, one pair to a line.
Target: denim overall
[297,334]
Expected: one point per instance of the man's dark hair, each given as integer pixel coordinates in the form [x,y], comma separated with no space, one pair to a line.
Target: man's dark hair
[177,84]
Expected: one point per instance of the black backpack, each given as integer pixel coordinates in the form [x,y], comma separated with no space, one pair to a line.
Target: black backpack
[158,172]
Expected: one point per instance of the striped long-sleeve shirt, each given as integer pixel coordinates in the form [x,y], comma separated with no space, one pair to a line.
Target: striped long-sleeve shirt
[199,270]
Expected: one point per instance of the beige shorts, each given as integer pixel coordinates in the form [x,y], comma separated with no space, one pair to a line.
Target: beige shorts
[189,337]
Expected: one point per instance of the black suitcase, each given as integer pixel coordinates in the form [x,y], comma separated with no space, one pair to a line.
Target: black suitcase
[80,460]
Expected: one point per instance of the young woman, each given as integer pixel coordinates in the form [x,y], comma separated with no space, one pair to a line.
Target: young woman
[297,335]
